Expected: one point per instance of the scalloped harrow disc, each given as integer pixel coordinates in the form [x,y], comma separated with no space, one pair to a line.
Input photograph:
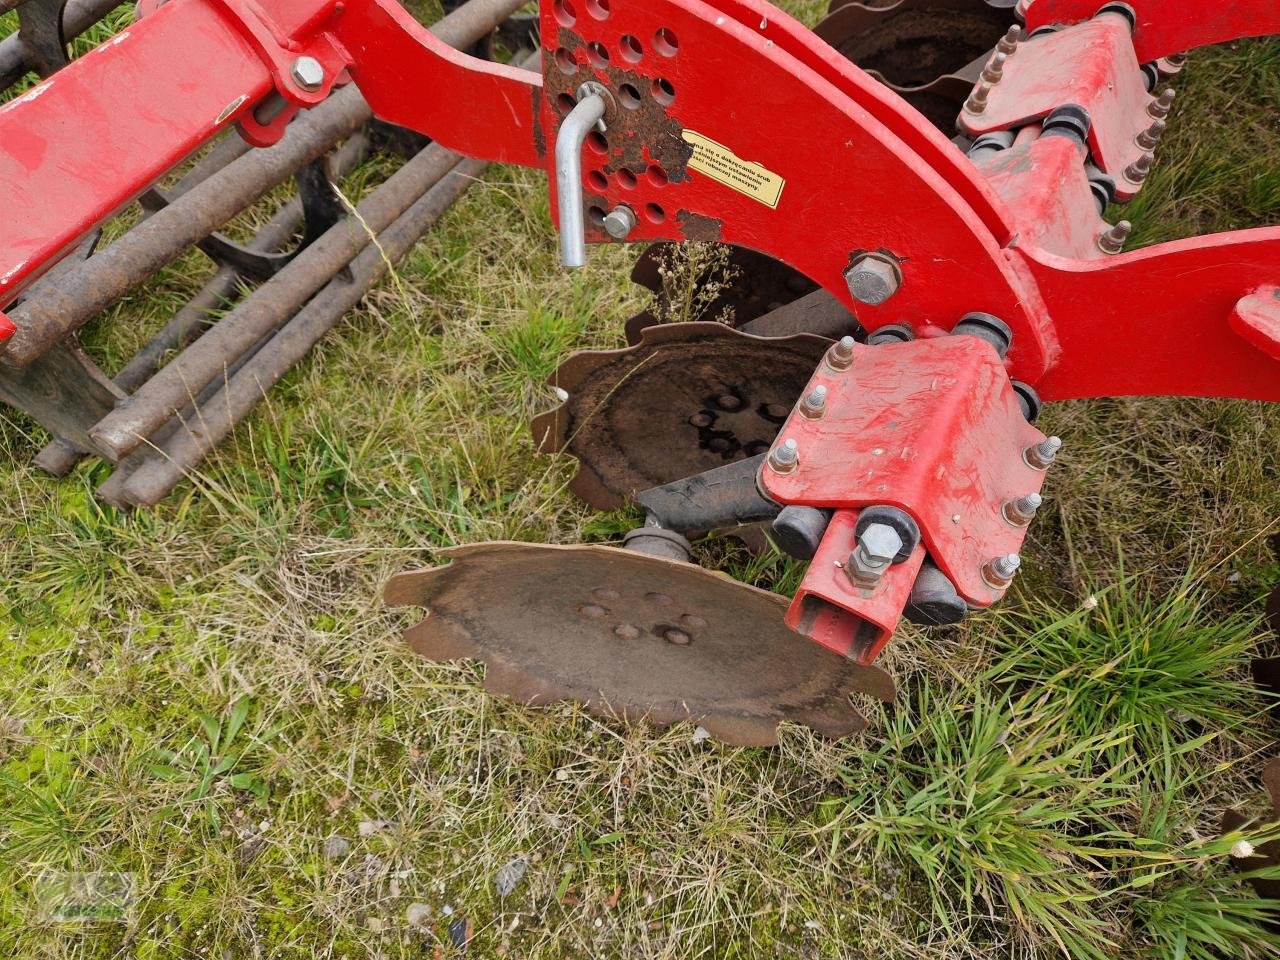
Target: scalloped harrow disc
[688,398]
[632,636]
[926,51]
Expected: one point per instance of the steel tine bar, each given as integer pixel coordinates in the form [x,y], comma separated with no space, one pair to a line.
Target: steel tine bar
[170,389]
[60,457]
[232,403]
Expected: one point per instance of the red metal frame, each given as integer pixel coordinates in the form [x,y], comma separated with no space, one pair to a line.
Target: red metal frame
[1170,26]
[862,170]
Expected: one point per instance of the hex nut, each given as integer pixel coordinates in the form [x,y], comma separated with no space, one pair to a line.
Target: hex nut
[873,278]
[308,73]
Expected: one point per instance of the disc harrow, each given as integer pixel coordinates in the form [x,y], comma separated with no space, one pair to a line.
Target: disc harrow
[918,249]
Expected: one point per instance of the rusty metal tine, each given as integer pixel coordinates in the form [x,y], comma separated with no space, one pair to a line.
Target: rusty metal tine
[169,390]
[78,17]
[164,236]
[60,457]
[233,402]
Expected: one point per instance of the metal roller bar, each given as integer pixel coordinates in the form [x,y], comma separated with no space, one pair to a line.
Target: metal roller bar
[219,416]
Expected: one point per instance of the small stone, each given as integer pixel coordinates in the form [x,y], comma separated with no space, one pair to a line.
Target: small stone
[447,910]
[417,915]
[368,828]
[336,848]
[508,878]
[701,735]
[377,924]
[1090,602]
[562,775]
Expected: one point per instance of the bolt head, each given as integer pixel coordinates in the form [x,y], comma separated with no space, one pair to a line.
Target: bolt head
[619,223]
[873,279]
[308,73]
[880,543]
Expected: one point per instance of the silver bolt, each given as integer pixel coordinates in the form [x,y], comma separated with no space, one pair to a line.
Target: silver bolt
[1149,137]
[1009,42]
[1176,60]
[307,73]
[1137,171]
[977,101]
[1022,511]
[994,71]
[785,457]
[874,554]
[1112,239]
[1042,455]
[1159,108]
[840,356]
[814,404]
[873,278]
[1000,570]
[619,222]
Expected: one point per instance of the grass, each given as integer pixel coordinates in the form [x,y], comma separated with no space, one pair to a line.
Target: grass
[212,699]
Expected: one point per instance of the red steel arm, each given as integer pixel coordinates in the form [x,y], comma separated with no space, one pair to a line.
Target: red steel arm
[1171,26]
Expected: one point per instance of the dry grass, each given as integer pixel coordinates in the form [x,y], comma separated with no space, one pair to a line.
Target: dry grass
[130,639]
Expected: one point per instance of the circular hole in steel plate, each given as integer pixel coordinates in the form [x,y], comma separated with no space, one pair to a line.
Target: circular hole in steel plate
[598,54]
[665,42]
[566,62]
[632,52]
[664,91]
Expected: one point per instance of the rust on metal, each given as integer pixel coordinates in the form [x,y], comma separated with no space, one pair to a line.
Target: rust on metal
[632,636]
[929,52]
[688,398]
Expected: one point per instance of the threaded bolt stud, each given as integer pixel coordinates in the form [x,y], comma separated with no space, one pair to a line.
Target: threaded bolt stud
[1149,137]
[814,404]
[1022,511]
[977,101]
[1009,42]
[1159,108]
[1000,571]
[840,356]
[1042,455]
[1137,171]
[785,457]
[1112,240]
[994,71]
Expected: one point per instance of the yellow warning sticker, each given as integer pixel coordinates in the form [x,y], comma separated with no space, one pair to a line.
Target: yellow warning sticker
[724,166]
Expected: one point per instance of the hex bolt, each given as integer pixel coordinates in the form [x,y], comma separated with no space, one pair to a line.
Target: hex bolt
[1137,171]
[840,356]
[1022,511]
[993,73]
[814,405]
[999,571]
[1009,42]
[1041,456]
[1159,108]
[873,278]
[785,457]
[307,73]
[1112,240]
[874,554]
[1149,137]
[619,222]
[977,101]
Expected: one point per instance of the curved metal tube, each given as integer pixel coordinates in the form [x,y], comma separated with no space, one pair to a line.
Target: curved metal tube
[573,134]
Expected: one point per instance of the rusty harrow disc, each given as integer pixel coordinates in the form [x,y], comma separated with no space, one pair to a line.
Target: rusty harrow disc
[689,397]
[633,636]
[929,52]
